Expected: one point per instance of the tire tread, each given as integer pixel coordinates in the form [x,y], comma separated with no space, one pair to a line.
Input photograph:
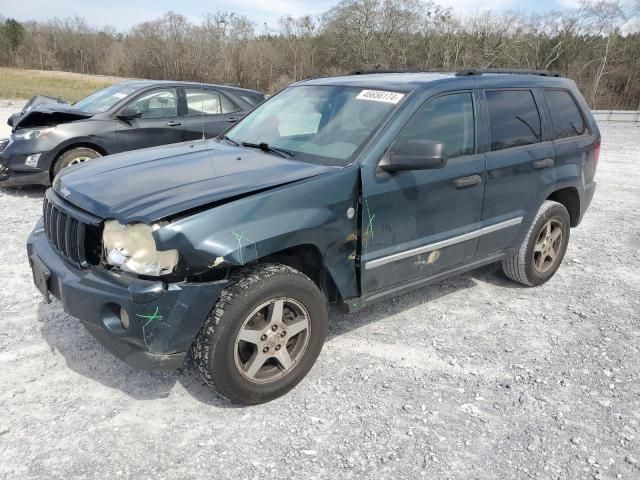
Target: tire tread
[239,283]
[515,267]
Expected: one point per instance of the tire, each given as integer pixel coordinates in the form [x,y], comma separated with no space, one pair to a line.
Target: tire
[527,266]
[224,358]
[73,157]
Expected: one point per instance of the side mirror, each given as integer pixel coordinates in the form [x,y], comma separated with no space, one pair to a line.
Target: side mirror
[415,155]
[129,113]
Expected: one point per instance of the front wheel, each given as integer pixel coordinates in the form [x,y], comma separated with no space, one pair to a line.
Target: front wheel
[263,335]
[543,248]
[74,156]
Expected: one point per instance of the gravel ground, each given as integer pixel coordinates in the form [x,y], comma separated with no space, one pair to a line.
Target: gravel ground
[473,378]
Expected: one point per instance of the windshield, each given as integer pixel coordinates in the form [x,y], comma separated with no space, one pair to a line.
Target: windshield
[325,125]
[104,99]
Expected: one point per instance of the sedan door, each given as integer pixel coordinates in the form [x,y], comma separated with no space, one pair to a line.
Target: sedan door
[418,222]
[209,113]
[157,122]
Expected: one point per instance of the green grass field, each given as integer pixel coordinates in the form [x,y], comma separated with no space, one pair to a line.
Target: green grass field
[23,84]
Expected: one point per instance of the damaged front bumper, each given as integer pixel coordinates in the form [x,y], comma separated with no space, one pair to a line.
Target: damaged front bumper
[161,320]
[15,169]
[13,178]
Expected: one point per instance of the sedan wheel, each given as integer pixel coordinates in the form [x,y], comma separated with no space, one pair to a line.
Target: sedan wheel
[75,156]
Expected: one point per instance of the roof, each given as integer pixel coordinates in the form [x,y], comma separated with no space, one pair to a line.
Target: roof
[410,81]
[143,83]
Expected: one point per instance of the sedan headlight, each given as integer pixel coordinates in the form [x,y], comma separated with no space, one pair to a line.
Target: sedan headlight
[133,249]
[31,134]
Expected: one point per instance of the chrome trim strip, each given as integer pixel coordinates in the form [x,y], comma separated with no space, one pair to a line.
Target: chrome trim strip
[443,243]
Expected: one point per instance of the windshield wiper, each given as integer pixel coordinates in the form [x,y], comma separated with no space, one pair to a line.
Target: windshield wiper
[265,147]
[230,140]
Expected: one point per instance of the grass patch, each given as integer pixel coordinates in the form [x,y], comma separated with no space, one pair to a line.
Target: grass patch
[24,84]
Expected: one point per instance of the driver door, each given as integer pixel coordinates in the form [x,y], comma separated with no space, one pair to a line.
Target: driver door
[158,124]
[417,222]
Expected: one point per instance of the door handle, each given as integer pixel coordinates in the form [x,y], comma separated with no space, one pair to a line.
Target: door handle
[469,181]
[544,163]
[232,120]
[173,123]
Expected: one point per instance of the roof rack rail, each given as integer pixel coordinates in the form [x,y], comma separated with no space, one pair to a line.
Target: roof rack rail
[382,70]
[513,71]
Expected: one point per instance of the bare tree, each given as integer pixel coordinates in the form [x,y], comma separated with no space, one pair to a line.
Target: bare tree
[597,44]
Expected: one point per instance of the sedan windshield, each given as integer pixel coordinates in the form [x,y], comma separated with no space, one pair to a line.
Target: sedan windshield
[104,99]
[317,124]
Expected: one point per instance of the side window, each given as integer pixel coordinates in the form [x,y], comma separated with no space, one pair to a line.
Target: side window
[158,103]
[565,115]
[447,119]
[227,105]
[514,119]
[202,102]
[251,99]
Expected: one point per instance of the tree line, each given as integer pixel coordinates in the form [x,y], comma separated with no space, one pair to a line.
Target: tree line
[597,44]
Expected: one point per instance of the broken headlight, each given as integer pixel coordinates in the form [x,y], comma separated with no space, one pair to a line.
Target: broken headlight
[133,249]
[31,134]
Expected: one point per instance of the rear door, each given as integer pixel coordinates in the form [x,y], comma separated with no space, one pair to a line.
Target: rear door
[208,113]
[570,134]
[159,123]
[519,155]
[418,222]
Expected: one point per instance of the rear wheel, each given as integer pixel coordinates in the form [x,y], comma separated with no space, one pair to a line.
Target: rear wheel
[543,248]
[263,335]
[74,156]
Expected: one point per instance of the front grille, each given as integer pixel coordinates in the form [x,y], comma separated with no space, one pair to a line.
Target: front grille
[3,144]
[66,234]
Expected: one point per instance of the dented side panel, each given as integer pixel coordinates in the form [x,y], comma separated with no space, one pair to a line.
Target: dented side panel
[309,212]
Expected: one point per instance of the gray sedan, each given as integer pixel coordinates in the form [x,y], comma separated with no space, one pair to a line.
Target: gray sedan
[126,116]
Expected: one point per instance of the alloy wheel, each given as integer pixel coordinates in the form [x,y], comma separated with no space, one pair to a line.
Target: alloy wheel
[548,245]
[272,340]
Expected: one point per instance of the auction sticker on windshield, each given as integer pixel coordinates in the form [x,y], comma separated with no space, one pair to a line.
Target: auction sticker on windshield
[380,96]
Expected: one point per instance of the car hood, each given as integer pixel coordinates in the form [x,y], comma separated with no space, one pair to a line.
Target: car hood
[155,183]
[48,115]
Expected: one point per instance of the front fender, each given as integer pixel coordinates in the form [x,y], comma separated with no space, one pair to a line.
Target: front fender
[308,212]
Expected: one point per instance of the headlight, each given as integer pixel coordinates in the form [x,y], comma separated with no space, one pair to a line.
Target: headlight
[133,249]
[31,134]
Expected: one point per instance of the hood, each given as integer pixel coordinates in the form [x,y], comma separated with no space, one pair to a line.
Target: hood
[48,115]
[150,184]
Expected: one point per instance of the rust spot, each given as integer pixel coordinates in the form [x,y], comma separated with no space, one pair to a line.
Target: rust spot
[433,257]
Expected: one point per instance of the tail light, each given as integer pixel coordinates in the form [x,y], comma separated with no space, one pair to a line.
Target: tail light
[596,153]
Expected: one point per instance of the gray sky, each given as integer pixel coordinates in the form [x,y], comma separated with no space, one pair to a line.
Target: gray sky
[122,14]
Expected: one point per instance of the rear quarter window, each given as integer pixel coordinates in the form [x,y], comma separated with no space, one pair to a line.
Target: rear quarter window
[252,100]
[514,119]
[565,115]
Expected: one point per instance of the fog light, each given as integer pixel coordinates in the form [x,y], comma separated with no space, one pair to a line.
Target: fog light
[32,160]
[124,318]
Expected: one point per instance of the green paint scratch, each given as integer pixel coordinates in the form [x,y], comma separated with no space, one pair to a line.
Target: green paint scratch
[150,318]
[243,241]
[369,230]
[239,238]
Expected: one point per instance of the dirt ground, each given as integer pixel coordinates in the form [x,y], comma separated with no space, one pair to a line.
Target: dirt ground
[473,378]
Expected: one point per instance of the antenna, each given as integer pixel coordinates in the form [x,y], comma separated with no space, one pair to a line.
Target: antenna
[202,110]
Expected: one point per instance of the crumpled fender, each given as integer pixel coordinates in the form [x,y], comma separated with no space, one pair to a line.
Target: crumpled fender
[48,115]
[308,212]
